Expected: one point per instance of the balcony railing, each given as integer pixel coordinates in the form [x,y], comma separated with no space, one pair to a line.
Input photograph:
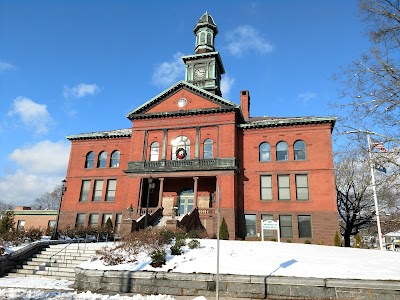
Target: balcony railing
[209,164]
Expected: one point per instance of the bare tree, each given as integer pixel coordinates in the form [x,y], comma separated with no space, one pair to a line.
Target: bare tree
[48,200]
[355,199]
[4,206]
[370,86]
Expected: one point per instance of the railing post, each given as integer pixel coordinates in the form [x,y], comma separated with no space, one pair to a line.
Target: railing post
[84,249]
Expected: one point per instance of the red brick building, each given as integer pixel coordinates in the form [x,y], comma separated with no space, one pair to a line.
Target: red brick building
[27,218]
[189,149]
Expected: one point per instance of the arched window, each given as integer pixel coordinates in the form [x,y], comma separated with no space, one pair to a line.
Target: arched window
[180,148]
[208,148]
[265,152]
[282,151]
[89,160]
[299,150]
[154,151]
[209,38]
[101,163]
[202,38]
[114,163]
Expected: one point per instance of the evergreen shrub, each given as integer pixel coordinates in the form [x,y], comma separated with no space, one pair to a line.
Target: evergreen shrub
[223,230]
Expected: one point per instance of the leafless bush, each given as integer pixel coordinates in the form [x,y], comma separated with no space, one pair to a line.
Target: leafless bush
[144,240]
[110,257]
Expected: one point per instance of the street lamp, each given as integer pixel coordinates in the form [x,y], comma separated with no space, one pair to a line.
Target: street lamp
[63,189]
[130,210]
[149,190]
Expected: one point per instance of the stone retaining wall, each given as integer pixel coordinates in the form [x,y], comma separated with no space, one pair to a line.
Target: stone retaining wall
[233,286]
[10,261]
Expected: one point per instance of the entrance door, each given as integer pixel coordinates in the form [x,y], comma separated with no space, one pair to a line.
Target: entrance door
[185,201]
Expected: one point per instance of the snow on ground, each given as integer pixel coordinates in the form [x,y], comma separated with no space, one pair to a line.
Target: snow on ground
[236,257]
[274,259]
[24,294]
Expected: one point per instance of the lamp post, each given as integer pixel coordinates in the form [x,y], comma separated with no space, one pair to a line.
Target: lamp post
[63,189]
[149,190]
[130,210]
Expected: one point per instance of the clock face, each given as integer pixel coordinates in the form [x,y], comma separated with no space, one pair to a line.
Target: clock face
[200,73]
[182,102]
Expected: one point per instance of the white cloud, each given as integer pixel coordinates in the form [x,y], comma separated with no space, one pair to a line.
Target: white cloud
[167,73]
[5,66]
[226,85]
[81,90]
[246,38]
[39,169]
[32,114]
[45,157]
[307,96]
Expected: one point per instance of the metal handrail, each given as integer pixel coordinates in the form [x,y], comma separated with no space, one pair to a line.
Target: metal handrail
[65,254]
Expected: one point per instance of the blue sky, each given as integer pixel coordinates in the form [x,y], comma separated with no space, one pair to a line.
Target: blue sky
[68,67]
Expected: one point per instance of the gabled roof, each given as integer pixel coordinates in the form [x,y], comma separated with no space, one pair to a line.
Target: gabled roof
[102,134]
[142,109]
[260,122]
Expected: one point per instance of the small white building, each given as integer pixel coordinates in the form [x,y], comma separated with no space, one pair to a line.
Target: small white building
[392,240]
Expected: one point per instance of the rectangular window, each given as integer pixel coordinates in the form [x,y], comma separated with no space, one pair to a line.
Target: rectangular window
[302,187]
[98,190]
[80,220]
[111,188]
[85,190]
[250,223]
[266,187]
[267,232]
[285,225]
[305,227]
[105,218]
[21,225]
[52,224]
[118,221]
[93,220]
[283,187]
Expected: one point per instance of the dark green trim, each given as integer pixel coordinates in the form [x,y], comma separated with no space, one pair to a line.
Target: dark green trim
[35,212]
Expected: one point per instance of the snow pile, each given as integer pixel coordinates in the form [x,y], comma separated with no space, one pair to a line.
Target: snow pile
[12,293]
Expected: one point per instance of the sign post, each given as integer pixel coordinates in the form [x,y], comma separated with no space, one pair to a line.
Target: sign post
[270,225]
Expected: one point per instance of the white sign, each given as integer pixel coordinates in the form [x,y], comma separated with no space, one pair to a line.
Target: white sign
[270,225]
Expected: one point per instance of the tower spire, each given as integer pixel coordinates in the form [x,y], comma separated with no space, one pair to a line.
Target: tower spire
[205,32]
[204,68]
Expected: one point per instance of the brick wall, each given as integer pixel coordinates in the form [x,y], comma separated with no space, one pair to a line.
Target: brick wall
[240,191]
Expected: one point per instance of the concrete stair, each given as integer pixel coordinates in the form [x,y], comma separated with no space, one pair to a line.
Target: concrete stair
[57,261]
[161,222]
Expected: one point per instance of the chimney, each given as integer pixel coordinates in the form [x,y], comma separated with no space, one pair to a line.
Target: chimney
[245,103]
[22,208]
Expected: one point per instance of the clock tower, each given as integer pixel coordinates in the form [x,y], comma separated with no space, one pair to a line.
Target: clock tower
[204,68]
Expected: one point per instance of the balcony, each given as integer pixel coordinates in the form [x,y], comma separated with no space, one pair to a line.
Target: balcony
[211,164]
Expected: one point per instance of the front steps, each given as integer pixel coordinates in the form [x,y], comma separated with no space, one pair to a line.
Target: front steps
[57,261]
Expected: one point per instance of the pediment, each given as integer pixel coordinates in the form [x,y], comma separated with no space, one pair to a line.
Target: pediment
[180,99]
